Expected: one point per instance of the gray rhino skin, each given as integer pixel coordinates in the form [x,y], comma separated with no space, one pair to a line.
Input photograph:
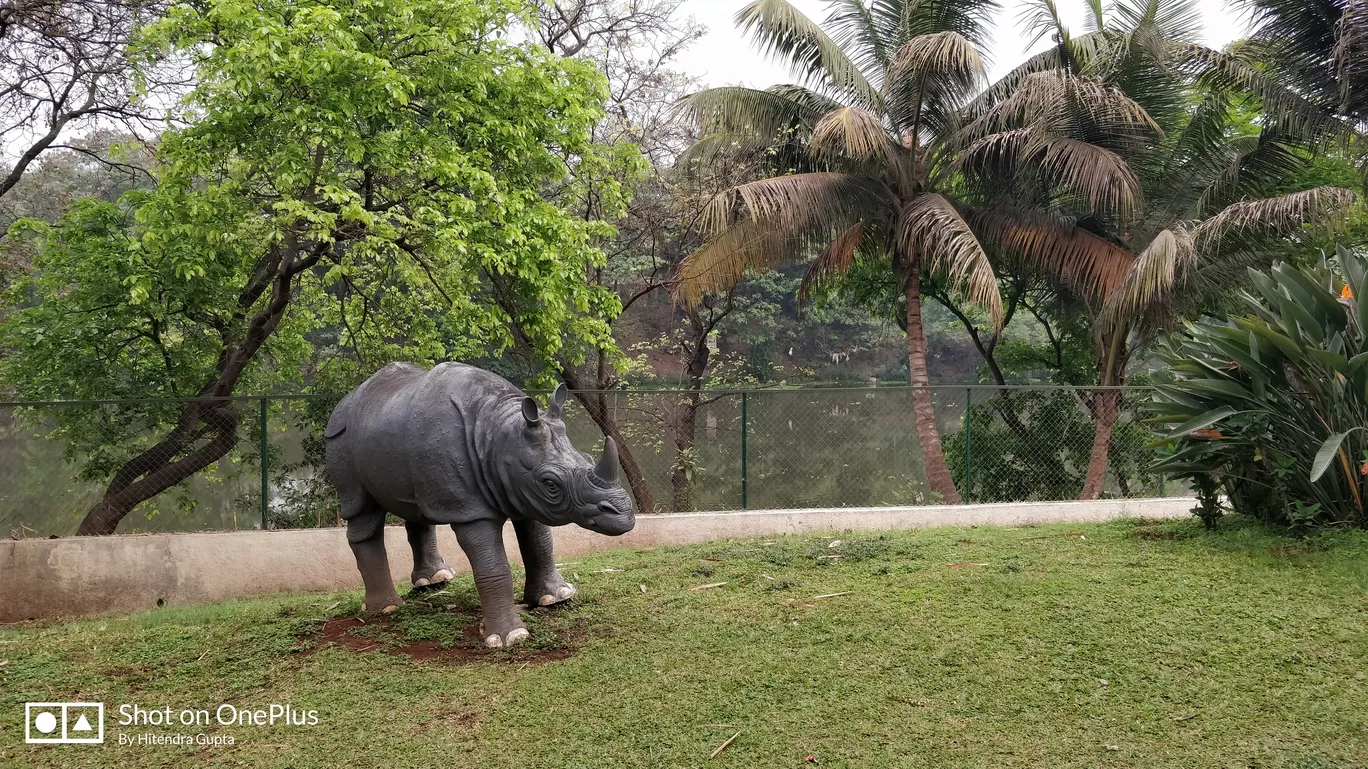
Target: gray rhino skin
[461,446]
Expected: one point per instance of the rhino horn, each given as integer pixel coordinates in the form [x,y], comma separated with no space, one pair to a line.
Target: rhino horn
[607,467]
[558,401]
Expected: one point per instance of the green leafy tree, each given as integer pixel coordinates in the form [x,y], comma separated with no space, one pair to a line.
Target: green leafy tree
[367,176]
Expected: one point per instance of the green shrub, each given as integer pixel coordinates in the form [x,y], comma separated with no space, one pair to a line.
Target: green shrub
[1271,407]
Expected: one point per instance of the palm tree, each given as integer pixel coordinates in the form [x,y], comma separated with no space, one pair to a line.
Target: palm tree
[1319,47]
[1207,202]
[867,146]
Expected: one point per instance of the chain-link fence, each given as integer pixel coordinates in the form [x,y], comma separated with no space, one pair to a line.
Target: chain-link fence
[62,463]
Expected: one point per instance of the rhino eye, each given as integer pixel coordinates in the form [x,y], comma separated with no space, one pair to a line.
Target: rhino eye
[551,485]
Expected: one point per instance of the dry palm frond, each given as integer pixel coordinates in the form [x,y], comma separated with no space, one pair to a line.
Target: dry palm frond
[1099,176]
[1087,263]
[1066,102]
[737,110]
[1151,279]
[851,132]
[792,201]
[835,259]
[939,55]
[724,261]
[931,228]
[1095,173]
[783,32]
[768,223]
[929,78]
[1273,216]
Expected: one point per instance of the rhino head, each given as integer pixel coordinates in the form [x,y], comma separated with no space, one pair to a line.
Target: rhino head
[555,484]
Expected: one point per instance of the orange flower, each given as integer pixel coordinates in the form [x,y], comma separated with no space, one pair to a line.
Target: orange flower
[1207,434]
[1346,292]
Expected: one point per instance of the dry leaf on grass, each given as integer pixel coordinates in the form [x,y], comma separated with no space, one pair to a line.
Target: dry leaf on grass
[724,745]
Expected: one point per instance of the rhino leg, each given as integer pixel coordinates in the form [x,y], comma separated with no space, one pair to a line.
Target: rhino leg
[545,586]
[366,534]
[428,566]
[482,542]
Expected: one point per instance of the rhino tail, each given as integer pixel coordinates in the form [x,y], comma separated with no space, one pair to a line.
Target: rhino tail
[337,423]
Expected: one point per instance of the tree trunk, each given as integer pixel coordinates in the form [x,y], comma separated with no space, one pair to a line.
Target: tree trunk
[928,435]
[1104,414]
[156,470]
[596,404]
[1111,354]
[686,431]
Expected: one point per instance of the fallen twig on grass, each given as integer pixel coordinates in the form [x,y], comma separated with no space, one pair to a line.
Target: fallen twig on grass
[1078,534]
[724,745]
[832,595]
[962,565]
[705,587]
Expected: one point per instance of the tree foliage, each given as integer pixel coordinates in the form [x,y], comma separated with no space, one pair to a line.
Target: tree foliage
[364,175]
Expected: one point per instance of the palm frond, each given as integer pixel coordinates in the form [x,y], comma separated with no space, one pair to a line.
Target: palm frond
[836,259]
[722,262]
[1088,264]
[856,29]
[932,229]
[1151,279]
[1273,216]
[764,224]
[1351,57]
[1097,175]
[1067,104]
[850,132]
[929,78]
[1293,115]
[737,110]
[1166,19]
[798,201]
[785,33]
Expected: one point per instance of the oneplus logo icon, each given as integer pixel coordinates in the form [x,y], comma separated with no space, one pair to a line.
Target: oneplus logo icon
[63,722]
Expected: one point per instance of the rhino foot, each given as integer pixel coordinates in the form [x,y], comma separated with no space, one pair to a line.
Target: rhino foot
[435,578]
[389,607]
[513,637]
[548,592]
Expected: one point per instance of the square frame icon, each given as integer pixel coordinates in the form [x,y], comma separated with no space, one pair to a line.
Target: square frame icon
[67,711]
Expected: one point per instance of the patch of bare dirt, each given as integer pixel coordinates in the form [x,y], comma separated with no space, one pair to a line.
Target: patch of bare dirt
[386,637]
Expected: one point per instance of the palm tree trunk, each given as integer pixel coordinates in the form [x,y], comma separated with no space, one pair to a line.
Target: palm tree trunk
[928,435]
[1105,405]
[1104,414]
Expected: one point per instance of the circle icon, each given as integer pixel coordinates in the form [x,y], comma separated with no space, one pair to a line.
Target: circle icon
[45,722]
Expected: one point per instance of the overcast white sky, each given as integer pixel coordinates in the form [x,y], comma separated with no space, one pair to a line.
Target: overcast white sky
[724,57]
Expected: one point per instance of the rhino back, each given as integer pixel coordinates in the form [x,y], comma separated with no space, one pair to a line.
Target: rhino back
[415,437]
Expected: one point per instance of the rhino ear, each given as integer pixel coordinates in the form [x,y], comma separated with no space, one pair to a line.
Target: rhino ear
[557,409]
[529,411]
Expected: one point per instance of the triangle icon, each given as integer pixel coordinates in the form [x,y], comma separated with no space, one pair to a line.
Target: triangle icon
[82,725]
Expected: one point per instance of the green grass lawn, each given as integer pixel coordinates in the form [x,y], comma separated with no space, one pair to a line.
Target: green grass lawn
[1135,645]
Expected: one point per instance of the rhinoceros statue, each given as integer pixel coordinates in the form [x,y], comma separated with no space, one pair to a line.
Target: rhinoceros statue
[461,446]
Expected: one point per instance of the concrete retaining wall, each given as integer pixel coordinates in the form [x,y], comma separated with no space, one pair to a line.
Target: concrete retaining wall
[92,575]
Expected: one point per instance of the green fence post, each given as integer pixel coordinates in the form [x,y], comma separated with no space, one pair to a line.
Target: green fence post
[968,446]
[265,468]
[745,459]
